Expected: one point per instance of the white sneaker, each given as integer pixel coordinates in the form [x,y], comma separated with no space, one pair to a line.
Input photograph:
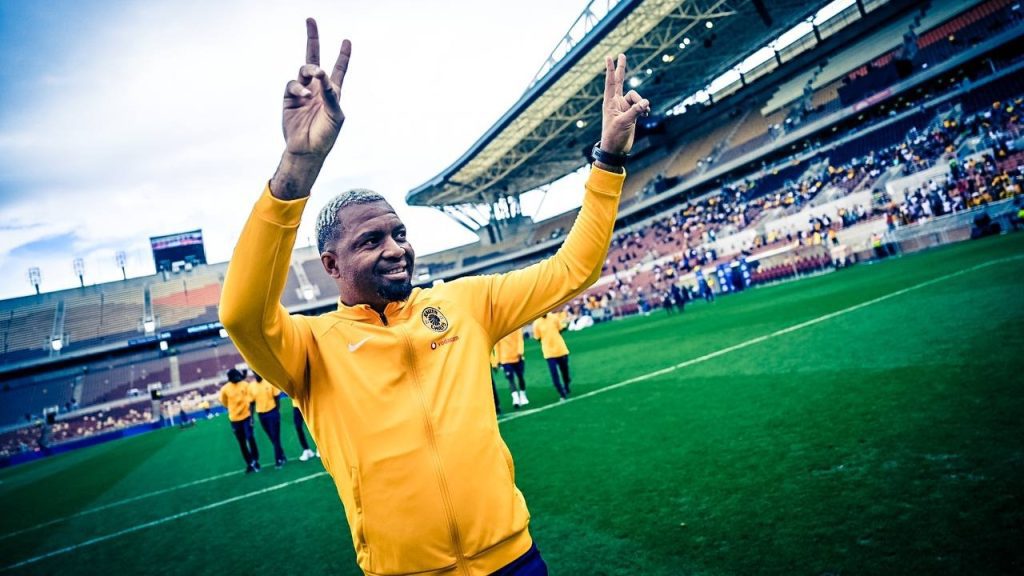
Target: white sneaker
[515,399]
[306,455]
[523,400]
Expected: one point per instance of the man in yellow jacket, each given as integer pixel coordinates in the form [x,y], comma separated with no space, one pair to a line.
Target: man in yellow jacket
[236,398]
[268,402]
[548,329]
[393,384]
[509,352]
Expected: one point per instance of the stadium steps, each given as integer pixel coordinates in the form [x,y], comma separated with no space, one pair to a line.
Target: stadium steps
[57,332]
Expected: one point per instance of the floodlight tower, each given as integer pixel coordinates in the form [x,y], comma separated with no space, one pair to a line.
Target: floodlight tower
[80,271]
[122,260]
[35,277]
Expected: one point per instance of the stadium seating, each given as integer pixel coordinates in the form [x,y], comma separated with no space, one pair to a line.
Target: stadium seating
[25,330]
[645,181]
[935,45]
[553,227]
[113,381]
[699,150]
[753,128]
[103,314]
[292,295]
[23,439]
[16,402]
[314,270]
[201,365]
[100,422]
[187,298]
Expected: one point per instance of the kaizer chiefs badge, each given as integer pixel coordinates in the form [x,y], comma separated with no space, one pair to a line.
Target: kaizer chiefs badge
[433,319]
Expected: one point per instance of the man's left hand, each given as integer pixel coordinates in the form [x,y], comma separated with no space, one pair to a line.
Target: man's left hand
[620,111]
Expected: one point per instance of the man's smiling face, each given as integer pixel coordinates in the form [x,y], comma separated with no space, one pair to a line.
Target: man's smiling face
[372,261]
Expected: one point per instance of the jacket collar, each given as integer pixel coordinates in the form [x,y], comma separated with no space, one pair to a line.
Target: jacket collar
[363,313]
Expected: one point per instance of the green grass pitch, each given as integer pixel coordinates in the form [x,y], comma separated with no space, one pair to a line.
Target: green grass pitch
[885,439]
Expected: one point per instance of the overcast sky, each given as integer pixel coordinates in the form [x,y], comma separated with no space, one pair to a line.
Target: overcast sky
[125,120]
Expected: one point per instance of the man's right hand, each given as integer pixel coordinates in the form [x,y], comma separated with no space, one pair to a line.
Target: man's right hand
[311,120]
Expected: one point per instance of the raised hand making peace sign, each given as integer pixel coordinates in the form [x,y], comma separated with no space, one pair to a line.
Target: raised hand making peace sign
[312,114]
[620,111]
[312,118]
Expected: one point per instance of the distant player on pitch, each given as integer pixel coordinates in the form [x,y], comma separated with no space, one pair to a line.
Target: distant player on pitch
[268,403]
[548,329]
[237,398]
[510,350]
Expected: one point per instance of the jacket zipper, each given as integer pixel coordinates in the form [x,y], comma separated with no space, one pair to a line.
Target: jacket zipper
[449,508]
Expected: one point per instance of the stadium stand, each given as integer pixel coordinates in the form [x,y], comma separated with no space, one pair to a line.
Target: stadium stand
[553,227]
[808,173]
[700,151]
[26,328]
[903,144]
[940,43]
[189,298]
[101,314]
[17,402]
[647,180]
[115,380]
[755,131]
[314,270]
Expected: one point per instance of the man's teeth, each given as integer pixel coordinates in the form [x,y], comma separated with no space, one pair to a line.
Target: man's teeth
[395,270]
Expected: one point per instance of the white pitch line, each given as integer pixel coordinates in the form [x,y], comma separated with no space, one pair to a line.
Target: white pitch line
[159,521]
[118,503]
[763,338]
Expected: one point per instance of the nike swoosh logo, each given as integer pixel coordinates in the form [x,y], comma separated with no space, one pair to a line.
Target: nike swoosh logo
[358,345]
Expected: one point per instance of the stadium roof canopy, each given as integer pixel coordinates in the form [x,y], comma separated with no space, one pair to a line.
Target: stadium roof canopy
[675,48]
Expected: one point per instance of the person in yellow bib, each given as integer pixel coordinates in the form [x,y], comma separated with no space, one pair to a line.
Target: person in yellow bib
[268,403]
[394,383]
[236,398]
[510,351]
[548,329]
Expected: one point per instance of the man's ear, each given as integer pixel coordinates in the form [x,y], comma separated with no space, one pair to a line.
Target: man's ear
[330,262]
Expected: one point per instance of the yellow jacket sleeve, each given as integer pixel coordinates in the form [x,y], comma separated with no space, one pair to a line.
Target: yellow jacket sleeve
[503,302]
[271,341]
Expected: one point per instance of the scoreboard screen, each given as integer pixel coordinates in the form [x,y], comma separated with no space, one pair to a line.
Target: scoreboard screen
[176,251]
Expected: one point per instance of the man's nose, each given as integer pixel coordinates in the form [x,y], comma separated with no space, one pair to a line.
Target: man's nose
[393,250]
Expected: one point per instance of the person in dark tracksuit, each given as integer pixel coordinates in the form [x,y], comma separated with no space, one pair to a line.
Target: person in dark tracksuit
[236,397]
[299,423]
[268,403]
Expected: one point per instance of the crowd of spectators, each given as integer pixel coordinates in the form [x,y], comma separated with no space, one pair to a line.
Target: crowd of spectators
[683,240]
[976,181]
[39,436]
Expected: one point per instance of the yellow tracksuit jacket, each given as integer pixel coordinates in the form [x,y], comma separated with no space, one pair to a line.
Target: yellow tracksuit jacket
[265,396]
[549,331]
[236,397]
[399,403]
[510,349]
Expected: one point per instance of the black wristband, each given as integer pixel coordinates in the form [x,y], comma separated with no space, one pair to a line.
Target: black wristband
[609,158]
